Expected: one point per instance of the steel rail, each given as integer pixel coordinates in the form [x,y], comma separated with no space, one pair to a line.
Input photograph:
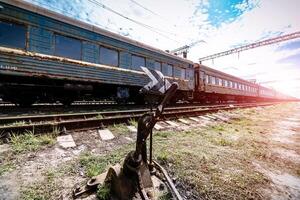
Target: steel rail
[7,120]
[92,123]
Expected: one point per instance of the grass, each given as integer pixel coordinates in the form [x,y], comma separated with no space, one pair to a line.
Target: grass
[103,192]
[213,160]
[24,143]
[30,142]
[47,189]
[97,164]
[133,122]
[217,160]
[120,129]
[6,167]
[166,196]
[99,116]
[17,123]
[50,187]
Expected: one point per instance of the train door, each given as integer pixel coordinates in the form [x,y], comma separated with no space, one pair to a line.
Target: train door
[190,77]
[196,80]
[202,81]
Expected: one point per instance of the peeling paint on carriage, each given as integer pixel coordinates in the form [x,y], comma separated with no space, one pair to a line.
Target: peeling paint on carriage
[36,64]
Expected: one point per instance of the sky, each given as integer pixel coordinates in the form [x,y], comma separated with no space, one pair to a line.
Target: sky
[219,24]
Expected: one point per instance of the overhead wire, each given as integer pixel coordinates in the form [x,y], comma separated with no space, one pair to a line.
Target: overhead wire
[70,14]
[140,5]
[160,17]
[111,10]
[151,28]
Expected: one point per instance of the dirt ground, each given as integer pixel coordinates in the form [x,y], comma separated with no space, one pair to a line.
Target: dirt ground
[241,154]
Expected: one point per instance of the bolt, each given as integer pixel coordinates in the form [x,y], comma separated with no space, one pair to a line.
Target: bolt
[161,186]
[93,179]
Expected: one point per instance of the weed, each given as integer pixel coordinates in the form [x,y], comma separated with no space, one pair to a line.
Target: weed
[166,196]
[218,128]
[163,134]
[30,142]
[17,123]
[222,142]
[44,190]
[120,129]
[99,116]
[6,167]
[56,131]
[103,192]
[133,122]
[163,156]
[95,164]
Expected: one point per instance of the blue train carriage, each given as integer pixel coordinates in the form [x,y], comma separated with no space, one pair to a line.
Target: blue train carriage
[48,57]
[216,86]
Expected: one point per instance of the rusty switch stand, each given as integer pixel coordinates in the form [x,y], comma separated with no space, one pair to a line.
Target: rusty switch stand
[133,179]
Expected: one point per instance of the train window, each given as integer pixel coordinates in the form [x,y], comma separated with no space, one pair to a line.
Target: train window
[202,76]
[177,72]
[233,84]
[67,47]
[12,35]
[170,70]
[157,66]
[137,62]
[229,84]
[182,73]
[167,69]
[206,79]
[220,82]
[109,56]
[213,80]
[209,79]
[225,83]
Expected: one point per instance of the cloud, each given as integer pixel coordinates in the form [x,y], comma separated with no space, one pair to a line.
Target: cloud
[289,46]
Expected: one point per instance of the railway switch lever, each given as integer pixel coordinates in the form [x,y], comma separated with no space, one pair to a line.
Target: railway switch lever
[134,180]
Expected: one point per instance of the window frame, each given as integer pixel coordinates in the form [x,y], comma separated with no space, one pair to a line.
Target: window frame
[167,65]
[26,33]
[111,49]
[184,70]
[160,65]
[213,80]
[220,82]
[206,78]
[70,37]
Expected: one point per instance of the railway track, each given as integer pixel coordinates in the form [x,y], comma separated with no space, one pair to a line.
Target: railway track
[89,120]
